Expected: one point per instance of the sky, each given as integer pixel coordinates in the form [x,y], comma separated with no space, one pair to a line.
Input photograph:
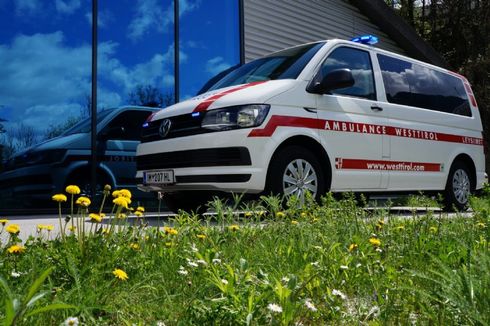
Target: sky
[45,53]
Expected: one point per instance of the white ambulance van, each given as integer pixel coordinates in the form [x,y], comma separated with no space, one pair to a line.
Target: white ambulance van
[333,115]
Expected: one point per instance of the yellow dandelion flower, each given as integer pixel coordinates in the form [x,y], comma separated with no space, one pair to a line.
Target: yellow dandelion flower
[280,214]
[294,222]
[234,227]
[138,213]
[125,193]
[107,188]
[59,198]
[16,249]
[134,246]
[116,193]
[381,222]
[170,230]
[121,216]
[83,201]
[13,228]
[168,244]
[4,221]
[248,214]
[95,217]
[105,231]
[479,224]
[72,228]
[49,228]
[400,228]
[121,201]
[40,227]
[303,215]
[375,242]
[433,229]
[140,209]
[102,215]
[72,190]
[120,274]
[353,247]
[201,236]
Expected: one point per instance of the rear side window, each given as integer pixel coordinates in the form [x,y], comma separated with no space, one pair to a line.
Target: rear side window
[359,63]
[416,85]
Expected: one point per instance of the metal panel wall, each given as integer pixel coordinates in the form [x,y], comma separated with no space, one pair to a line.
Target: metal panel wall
[271,25]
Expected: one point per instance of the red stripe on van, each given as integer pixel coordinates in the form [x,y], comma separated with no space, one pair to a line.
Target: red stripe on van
[345,126]
[203,106]
[357,164]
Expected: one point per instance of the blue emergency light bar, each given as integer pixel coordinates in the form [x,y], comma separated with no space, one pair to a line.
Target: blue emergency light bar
[365,39]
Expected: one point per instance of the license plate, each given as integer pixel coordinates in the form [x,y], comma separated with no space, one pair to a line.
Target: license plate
[159,177]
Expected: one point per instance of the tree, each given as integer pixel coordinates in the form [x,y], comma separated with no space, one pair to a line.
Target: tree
[56,130]
[148,95]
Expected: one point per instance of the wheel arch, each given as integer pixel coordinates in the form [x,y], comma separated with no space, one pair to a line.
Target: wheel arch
[315,147]
[85,170]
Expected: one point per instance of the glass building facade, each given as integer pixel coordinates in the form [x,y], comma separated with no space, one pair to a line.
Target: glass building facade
[45,82]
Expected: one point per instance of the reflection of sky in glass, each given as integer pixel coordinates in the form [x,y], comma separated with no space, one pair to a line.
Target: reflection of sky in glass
[45,50]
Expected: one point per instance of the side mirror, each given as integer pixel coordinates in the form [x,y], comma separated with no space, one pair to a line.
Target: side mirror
[112,133]
[336,79]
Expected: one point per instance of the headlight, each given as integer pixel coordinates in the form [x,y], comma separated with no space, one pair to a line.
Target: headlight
[235,117]
[47,156]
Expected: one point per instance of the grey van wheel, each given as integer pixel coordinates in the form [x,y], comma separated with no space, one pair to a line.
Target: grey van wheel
[294,171]
[458,187]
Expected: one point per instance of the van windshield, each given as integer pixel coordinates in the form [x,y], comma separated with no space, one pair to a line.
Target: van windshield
[84,125]
[285,64]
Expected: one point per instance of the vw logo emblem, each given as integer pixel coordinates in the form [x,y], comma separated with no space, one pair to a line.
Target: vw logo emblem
[164,128]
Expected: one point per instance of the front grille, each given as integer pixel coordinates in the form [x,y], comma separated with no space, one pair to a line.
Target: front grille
[227,156]
[182,125]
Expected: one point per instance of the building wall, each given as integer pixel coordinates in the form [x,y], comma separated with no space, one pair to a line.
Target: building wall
[271,25]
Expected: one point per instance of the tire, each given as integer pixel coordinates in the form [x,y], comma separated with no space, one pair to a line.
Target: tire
[458,187]
[295,170]
[188,201]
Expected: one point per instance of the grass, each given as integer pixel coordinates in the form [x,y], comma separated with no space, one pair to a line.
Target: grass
[333,263]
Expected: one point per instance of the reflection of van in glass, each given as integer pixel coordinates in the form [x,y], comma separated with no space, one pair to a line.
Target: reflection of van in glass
[326,116]
[48,167]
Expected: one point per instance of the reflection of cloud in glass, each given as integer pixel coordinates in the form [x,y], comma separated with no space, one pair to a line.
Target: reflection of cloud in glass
[151,16]
[28,7]
[67,6]
[45,79]
[104,17]
[216,65]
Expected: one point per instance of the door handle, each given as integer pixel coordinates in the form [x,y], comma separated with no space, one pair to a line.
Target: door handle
[376,108]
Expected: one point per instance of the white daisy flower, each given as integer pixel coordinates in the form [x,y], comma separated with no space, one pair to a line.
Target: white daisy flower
[15,274]
[216,261]
[201,261]
[192,264]
[224,281]
[182,271]
[344,267]
[71,321]
[339,294]
[274,307]
[310,305]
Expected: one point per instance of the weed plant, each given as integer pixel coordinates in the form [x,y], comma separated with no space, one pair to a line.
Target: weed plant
[327,263]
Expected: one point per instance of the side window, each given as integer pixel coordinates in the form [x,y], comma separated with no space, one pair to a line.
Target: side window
[416,85]
[127,125]
[359,63]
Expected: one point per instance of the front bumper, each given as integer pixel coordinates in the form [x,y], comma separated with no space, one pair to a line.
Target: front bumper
[228,161]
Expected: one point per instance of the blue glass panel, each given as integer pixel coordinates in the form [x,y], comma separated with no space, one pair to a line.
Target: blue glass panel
[209,41]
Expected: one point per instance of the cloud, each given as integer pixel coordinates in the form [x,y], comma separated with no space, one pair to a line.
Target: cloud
[150,15]
[67,6]
[216,65]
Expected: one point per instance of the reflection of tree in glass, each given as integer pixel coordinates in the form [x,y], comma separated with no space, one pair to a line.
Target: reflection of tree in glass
[148,95]
[56,130]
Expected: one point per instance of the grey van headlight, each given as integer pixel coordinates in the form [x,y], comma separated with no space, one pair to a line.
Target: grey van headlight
[235,117]
[46,156]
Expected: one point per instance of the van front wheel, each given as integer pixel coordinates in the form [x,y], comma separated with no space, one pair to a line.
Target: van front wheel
[458,187]
[294,171]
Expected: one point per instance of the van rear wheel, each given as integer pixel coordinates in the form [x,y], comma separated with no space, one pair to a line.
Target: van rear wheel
[294,171]
[458,188]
